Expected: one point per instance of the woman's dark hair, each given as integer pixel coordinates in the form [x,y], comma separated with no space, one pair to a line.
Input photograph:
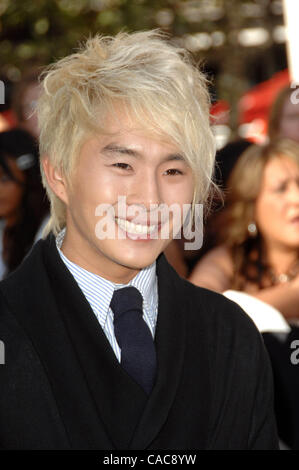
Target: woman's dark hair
[18,238]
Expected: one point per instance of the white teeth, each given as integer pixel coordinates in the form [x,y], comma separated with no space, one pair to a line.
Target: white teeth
[136,229]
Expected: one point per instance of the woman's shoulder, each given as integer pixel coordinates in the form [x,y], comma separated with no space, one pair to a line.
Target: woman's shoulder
[219,256]
[220,253]
[214,270]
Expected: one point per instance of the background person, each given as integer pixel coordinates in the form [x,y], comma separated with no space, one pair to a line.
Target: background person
[258,231]
[24,101]
[284,115]
[23,203]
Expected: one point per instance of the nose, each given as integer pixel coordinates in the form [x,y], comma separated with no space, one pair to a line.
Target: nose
[293,193]
[146,190]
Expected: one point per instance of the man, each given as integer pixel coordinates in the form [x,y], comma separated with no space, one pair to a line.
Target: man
[106,347]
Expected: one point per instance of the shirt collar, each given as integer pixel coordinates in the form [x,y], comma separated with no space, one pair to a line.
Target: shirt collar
[145,281]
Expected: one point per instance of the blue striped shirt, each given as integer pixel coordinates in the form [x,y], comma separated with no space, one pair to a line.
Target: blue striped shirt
[99,291]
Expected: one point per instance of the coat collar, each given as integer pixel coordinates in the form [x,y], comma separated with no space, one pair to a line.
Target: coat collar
[99,291]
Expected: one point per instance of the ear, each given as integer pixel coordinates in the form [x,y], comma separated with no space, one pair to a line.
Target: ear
[55,179]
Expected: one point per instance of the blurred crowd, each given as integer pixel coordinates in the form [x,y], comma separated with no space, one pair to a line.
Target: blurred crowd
[24,207]
[251,246]
[251,237]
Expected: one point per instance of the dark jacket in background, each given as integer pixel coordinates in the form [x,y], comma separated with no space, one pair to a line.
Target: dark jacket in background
[284,355]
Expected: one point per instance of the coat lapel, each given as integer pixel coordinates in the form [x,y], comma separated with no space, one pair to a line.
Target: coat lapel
[170,347]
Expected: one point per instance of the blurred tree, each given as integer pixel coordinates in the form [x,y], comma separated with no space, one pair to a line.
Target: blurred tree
[40,31]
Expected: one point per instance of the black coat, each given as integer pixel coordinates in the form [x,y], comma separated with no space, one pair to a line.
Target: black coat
[61,386]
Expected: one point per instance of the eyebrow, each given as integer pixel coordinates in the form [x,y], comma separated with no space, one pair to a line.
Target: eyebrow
[113,148]
[287,179]
[281,181]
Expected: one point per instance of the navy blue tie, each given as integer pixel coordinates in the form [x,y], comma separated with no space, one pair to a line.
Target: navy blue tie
[138,354]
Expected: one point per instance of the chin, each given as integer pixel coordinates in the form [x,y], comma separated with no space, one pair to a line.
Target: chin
[139,263]
[132,255]
[291,243]
[135,261]
[294,244]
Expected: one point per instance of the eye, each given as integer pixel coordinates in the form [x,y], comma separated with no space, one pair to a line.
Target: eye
[122,166]
[173,172]
[281,188]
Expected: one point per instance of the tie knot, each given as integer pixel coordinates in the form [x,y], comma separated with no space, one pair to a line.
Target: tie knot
[126,299]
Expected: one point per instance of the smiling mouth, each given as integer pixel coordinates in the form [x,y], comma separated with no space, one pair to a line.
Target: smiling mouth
[136,229]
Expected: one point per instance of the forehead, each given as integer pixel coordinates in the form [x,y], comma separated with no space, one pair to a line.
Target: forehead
[122,126]
[280,168]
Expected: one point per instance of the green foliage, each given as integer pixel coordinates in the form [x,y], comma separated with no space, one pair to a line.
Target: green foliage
[39,31]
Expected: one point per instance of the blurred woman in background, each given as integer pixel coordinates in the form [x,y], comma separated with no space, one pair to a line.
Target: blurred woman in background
[284,115]
[23,203]
[259,230]
[24,101]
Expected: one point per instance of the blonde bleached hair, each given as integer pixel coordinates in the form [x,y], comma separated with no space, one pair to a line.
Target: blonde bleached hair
[155,81]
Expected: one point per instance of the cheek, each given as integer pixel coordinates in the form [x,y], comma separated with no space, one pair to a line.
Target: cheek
[89,192]
[269,212]
[181,193]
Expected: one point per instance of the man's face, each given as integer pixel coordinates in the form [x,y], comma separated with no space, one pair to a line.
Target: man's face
[148,172]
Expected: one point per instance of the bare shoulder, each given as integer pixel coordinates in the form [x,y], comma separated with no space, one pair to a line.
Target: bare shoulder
[214,270]
[219,256]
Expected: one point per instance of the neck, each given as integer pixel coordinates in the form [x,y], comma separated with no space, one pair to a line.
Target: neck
[90,258]
[281,259]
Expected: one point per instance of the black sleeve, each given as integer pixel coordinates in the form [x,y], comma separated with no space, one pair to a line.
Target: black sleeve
[242,384]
